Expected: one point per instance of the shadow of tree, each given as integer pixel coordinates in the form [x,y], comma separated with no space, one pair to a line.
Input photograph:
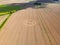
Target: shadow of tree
[19,6]
[26,5]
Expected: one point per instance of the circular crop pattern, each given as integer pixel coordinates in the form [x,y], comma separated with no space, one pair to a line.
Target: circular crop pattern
[30,22]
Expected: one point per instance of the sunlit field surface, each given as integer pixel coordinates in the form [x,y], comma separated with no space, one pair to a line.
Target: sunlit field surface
[30,24]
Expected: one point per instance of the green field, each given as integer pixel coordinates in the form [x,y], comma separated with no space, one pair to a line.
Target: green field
[7,10]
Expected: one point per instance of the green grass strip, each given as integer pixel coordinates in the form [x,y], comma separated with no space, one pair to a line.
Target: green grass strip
[4,21]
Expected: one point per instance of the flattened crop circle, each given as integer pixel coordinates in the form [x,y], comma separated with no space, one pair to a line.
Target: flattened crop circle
[30,22]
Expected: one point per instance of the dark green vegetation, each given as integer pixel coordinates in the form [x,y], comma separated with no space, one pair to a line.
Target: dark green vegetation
[37,3]
[7,10]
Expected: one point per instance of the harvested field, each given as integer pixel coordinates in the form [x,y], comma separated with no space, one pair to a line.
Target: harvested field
[32,26]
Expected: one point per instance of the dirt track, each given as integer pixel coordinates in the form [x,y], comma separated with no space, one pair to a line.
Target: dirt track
[32,27]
